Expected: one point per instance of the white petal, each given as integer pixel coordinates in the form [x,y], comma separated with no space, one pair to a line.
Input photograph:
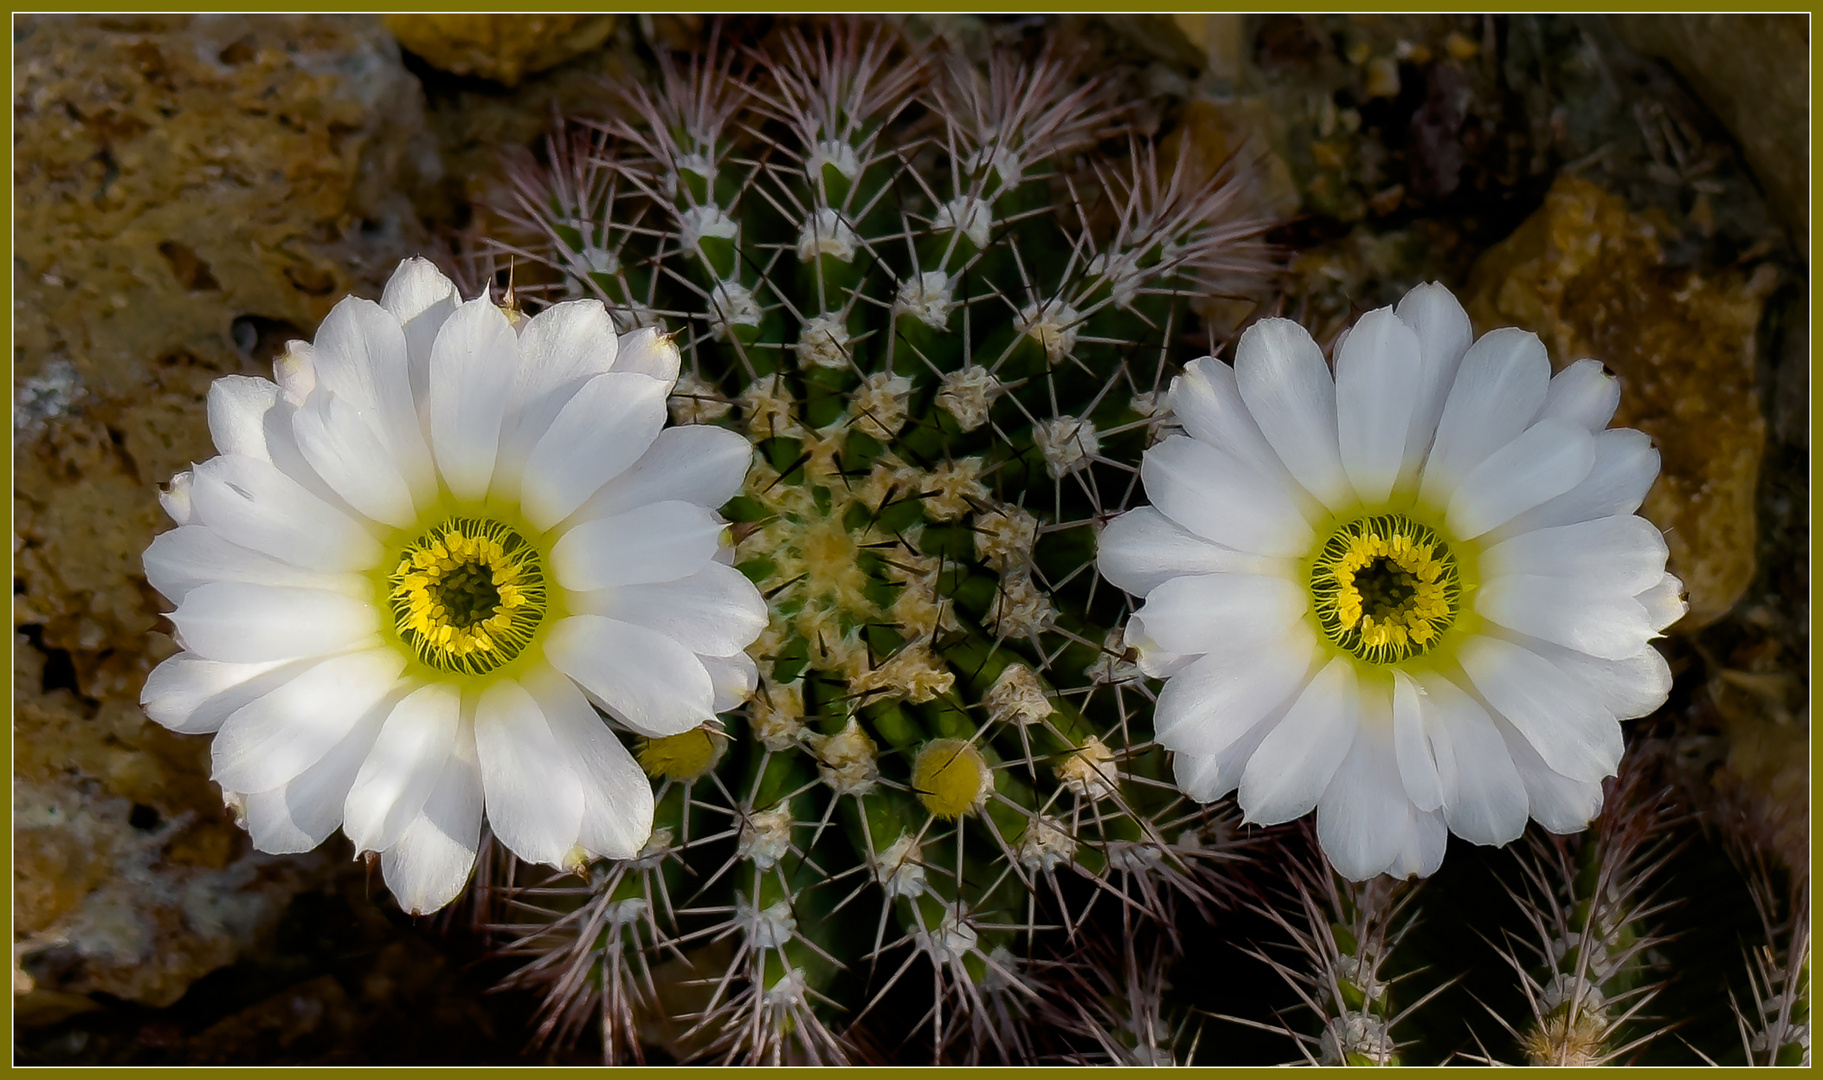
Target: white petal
[1220,499]
[395,780]
[1426,840]
[560,349]
[1583,394]
[1293,765]
[1377,369]
[192,696]
[1569,611]
[1154,660]
[657,542]
[244,623]
[1286,384]
[237,411]
[1559,716]
[1210,611]
[609,423]
[1417,763]
[1484,801]
[696,463]
[251,503]
[1664,602]
[274,738]
[300,815]
[421,298]
[289,460]
[472,367]
[191,555]
[1207,402]
[1630,687]
[534,799]
[1498,390]
[645,680]
[734,677]
[1548,459]
[360,356]
[616,796]
[430,864]
[1142,549]
[1625,466]
[1443,336]
[1216,700]
[1560,804]
[353,459]
[1623,553]
[175,499]
[1208,777]
[295,372]
[648,352]
[1364,821]
[716,610]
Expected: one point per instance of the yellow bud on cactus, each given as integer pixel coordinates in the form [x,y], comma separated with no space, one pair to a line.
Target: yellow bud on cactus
[682,757]
[951,777]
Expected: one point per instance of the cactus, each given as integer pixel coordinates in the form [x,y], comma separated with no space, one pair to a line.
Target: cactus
[1343,935]
[1594,905]
[939,299]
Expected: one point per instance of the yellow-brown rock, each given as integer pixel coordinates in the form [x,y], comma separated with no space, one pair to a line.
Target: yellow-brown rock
[1589,277]
[503,48]
[189,191]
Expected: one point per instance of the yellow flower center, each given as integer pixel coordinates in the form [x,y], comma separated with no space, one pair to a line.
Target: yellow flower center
[1385,588]
[468,595]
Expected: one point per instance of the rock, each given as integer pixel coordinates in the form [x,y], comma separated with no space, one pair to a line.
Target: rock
[503,48]
[1587,275]
[1749,70]
[190,191]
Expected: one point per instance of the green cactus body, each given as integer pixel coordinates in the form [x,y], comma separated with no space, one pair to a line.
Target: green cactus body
[941,316]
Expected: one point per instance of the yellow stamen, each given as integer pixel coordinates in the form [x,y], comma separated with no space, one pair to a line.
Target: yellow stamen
[1385,588]
[468,595]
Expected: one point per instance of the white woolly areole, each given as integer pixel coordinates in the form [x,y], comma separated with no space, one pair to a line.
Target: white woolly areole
[824,342]
[825,233]
[1089,771]
[766,928]
[879,404]
[1053,324]
[1004,537]
[731,304]
[848,760]
[708,221]
[1123,275]
[1046,845]
[968,395]
[952,938]
[833,152]
[694,401]
[1067,443]
[900,869]
[972,216]
[928,297]
[765,836]
[1017,697]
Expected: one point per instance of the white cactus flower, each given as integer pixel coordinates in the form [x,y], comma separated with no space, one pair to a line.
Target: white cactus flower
[1413,596]
[424,560]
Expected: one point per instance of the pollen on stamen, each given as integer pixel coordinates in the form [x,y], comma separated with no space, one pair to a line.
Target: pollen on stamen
[467,596]
[1385,588]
